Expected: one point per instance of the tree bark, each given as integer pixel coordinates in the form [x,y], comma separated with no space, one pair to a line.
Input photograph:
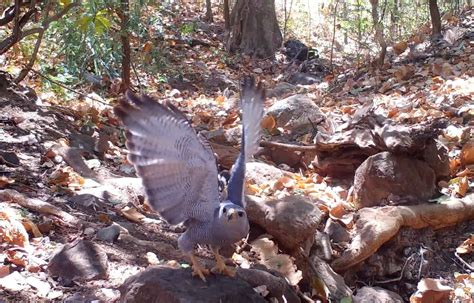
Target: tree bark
[125,11]
[435,18]
[333,31]
[254,28]
[209,17]
[379,37]
[227,15]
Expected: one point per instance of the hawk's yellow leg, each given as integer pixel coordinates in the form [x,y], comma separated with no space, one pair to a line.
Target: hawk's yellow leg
[198,269]
[220,267]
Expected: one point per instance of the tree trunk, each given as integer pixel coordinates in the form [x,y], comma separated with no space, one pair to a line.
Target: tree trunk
[209,17]
[125,11]
[378,32]
[333,31]
[394,18]
[227,15]
[254,28]
[435,18]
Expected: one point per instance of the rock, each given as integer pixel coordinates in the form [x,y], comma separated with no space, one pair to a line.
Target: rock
[295,113]
[280,90]
[295,49]
[304,79]
[337,233]
[9,159]
[376,295]
[79,260]
[260,173]
[85,200]
[387,177]
[164,284]
[292,221]
[274,282]
[436,155]
[332,281]
[229,136]
[81,298]
[13,282]
[109,233]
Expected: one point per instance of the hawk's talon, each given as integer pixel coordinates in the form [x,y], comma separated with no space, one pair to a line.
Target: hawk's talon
[224,270]
[198,269]
[220,267]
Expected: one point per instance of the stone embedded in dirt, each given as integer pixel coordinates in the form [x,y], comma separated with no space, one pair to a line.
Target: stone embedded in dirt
[320,270]
[109,233]
[164,284]
[297,114]
[337,233]
[436,155]
[376,295]
[9,159]
[304,79]
[292,220]
[399,179]
[274,282]
[229,136]
[79,260]
[261,173]
[280,90]
[85,200]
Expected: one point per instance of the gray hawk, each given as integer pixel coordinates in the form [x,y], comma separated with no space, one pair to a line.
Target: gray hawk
[179,171]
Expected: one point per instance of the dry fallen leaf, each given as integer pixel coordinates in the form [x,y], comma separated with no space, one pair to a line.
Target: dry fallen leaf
[268,122]
[400,47]
[404,72]
[270,257]
[431,290]
[132,214]
[4,181]
[12,231]
[467,246]
[467,154]
[30,226]
[4,271]
[460,185]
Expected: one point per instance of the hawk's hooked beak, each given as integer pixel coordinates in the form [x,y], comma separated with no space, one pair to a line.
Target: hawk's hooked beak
[231,214]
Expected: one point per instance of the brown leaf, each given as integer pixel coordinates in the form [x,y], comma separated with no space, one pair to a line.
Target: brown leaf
[12,231]
[460,185]
[230,120]
[466,247]
[467,153]
[31,227]
[268,122]
[147,47]
[220,100]
[404,73]
[132,214]
[4,271]
[400,47]
[4,181]
[270,257]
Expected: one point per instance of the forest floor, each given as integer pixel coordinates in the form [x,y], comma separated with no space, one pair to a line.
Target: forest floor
[64,173]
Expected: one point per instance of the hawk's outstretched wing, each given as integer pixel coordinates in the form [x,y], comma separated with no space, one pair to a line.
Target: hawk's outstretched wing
[252,99]
[177,168]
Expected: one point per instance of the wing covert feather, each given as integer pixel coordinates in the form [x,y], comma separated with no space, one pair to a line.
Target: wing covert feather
[178,169]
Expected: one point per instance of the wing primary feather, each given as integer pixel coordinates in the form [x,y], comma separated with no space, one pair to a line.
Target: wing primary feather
[252,101]
[177,167]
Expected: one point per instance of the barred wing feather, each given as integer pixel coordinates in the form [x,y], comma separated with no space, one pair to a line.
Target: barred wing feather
[178,169]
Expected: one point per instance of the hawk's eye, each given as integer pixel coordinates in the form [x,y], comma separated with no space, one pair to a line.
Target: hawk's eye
[241,214]
[224,210]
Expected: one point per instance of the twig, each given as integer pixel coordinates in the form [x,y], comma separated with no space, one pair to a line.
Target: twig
[289,147]
[464,262]
[399,278]
[12,196]
[69,89]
